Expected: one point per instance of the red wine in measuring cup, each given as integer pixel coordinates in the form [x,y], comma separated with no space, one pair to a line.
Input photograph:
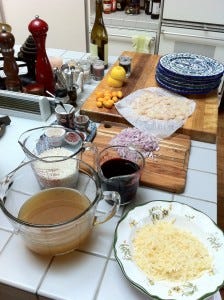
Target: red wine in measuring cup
[113,170]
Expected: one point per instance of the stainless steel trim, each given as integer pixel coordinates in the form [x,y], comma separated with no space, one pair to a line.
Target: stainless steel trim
[193,25]
[86,7]
[125,36]
[192,36]
[159,27]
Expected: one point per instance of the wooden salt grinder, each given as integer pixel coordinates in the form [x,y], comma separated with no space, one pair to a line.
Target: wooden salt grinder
[10,67]
[44,72]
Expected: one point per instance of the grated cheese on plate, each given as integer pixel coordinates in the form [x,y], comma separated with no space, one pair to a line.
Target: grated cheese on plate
[164,252]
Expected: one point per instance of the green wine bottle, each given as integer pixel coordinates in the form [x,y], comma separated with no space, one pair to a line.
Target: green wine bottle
[99,36]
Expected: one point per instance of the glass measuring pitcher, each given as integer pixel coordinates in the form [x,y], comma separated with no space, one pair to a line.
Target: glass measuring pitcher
[53,205]
[119,169]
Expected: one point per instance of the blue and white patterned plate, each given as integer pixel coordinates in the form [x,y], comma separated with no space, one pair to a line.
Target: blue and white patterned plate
[181,78]
[185,218]
[183,89]
[193,65]
[187,83]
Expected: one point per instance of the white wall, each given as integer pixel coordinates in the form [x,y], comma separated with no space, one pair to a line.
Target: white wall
[65,18]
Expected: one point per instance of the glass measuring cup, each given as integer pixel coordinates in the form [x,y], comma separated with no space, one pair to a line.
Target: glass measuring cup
[53,205]
[119,169]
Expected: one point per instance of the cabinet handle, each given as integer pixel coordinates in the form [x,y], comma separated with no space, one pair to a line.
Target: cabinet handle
[124,36]
[191,36]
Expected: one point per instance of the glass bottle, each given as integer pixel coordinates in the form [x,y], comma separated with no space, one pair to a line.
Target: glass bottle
[133,7]
[142,4]
[107,6]
[121,5]
[113,5]
[148,7]
[155,9]
[99,36]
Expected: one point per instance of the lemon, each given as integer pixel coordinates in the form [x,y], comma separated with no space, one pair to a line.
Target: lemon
[114,82]
[118,73]
[108,103]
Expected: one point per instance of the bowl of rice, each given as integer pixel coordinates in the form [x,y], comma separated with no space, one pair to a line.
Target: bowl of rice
[169,250]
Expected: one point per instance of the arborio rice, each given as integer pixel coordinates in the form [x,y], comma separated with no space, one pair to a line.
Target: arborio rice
[52,174]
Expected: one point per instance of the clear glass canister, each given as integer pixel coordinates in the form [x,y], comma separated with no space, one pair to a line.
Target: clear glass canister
[98,70]
[125,62]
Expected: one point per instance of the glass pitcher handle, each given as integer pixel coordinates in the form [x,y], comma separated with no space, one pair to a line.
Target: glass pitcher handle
[113,198]
[89,154]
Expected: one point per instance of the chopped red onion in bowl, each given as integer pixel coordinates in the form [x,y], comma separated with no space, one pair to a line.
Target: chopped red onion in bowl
[142,141]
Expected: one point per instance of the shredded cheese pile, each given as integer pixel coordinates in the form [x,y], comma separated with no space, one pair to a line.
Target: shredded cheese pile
[165,252]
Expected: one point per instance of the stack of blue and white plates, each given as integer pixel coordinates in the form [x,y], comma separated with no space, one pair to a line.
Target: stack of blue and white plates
[187,73]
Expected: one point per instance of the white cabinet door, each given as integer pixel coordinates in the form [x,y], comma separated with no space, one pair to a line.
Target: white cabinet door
[65,18]
[204,11]
[210,44]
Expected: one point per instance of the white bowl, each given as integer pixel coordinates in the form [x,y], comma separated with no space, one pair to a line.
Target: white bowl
[55,136]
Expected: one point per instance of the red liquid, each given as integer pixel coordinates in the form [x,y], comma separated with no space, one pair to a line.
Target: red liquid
[125,187]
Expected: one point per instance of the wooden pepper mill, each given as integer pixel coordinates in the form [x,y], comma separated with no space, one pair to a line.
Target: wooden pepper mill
[44,73]
[28,54]
[10,67]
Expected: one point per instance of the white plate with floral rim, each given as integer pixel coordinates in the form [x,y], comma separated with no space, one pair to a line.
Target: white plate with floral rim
[187,218]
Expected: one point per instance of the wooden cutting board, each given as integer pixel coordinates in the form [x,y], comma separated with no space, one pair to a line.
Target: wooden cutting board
[201,126]
[167,170]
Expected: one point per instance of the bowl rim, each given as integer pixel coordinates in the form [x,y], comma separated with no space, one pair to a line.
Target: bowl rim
[8,180]
[25,135]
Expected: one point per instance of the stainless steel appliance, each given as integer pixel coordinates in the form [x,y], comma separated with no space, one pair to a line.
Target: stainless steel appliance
[205,39]
[199,11]
[193,26]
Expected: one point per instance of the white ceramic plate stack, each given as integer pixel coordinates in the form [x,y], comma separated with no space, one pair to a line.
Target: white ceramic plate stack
[187,73]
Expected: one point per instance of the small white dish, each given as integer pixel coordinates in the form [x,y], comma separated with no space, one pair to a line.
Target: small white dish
[55,136]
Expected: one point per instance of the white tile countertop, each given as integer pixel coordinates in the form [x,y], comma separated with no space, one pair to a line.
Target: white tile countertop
[90,272]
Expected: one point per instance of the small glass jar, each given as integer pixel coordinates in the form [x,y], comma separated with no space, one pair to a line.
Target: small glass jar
[85,65]
[125,62]
[98,70]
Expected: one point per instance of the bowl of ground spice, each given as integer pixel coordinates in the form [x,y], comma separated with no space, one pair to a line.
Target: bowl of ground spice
[72,138]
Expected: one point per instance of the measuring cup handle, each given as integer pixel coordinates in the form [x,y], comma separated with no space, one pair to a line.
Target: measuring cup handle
[112,197]
[89,154]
